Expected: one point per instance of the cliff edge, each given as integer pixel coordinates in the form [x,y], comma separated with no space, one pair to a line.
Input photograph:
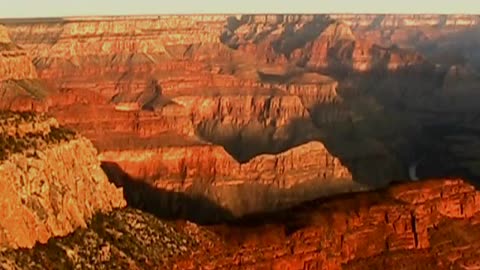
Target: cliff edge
[50,180]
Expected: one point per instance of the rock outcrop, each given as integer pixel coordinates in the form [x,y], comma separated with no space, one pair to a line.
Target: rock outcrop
[165,98]
[50,180]
[299,174]
[410,226]
[433,224]
[14,62]
[123,239]
[20,88]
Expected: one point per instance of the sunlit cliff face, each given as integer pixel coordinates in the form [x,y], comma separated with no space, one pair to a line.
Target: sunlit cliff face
[305,141]
[249,112]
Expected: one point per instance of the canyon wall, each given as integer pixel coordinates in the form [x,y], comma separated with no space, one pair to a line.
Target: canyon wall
[20,87]
[409,226]
[51,181]
[432,224]
[15,63]
[209,118]
[107,54]
[299,174]
[164,98]
[397,20]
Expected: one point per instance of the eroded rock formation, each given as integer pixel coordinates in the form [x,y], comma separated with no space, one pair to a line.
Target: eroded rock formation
[410,226]
[165,98]
[19,84]
[50,180]
[431,224]
[299,174]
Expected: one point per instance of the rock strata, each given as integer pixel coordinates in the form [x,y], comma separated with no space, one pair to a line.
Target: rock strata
[50,180]
[20,87]
[410,226]
[432,224]
[199,104]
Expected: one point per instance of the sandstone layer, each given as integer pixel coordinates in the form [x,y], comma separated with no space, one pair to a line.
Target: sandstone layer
[20,87]
[51,181]
[165,98]
[278,181]
[433,224]
[427,225]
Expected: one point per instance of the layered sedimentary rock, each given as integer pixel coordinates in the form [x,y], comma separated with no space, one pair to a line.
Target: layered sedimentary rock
[15,63]
[316,42]
[410,226]
[20,88]
[115,55]
[396,20]
[51,181]
[112,51]
[300,174]
[433,224]
[152,92]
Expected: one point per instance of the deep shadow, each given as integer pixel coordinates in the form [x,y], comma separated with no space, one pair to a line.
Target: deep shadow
[411,122]
[246,142]
[165,204]
[289,39]
[381,127]
[386,121]
[292,39]
[269,227]
[455,48]
[205,203]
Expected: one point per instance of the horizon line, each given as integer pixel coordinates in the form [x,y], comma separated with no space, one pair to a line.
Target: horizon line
[232,14]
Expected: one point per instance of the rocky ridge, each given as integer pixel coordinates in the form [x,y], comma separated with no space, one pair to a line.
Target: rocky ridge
[51,181]
[233,89]
[408,226]
[236,89]
[431,224]
[123,239]
[299,174]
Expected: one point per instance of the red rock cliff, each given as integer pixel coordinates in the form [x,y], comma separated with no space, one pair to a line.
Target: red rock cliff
[414,226]
[51,181]
[179,93]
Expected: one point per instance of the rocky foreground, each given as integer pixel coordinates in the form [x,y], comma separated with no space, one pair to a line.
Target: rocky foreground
[428,225]
[50,180]
[433,224]
[123,239]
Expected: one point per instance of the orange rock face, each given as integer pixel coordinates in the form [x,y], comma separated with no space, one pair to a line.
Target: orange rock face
[414,226]
[216,117]
[300,174]
[205,104]
[214,102]
[50,188]
[19,84]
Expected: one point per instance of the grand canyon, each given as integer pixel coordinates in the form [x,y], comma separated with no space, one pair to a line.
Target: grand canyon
[302,142]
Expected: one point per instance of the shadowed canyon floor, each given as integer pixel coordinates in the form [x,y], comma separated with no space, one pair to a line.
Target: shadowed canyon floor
[231,120]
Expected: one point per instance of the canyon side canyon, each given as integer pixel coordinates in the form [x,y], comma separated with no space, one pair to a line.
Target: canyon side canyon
[240,142]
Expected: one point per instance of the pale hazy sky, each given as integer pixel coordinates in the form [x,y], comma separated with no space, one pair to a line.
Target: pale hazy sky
[58,8]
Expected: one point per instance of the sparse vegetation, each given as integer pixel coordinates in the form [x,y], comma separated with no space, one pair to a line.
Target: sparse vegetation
[118,240]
